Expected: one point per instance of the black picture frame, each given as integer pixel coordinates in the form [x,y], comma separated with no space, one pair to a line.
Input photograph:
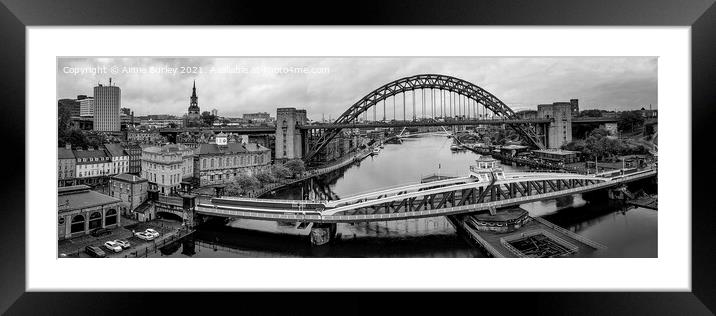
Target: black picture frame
[16,15]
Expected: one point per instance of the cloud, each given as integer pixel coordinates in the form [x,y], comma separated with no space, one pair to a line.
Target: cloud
[254,85]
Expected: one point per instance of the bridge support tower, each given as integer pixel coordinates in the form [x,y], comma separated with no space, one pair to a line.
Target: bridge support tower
[191,218]
[322,233]
[559,131]
[289,139]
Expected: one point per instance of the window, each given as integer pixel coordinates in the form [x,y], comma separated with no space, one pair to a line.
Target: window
[78,224]
[110,217]
[95,220]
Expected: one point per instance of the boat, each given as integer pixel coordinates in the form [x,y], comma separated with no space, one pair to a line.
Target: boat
[376,150]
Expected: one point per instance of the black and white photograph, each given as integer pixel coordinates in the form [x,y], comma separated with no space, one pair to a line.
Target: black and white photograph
[496,155]
[357,157]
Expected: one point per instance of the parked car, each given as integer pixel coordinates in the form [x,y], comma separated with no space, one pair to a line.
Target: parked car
[100,232]
[144,235]
[113,246]
[94,251]
[123,243]
[152,232]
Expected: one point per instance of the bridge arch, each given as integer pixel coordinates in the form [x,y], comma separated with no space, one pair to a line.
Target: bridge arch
[167,214]
[421,82]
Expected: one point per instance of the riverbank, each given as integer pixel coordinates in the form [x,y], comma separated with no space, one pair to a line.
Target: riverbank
[356,157]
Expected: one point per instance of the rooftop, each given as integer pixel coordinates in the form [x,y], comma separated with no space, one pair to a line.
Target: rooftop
[556,151]
[171,148]
[129,178]
[485,158]
[115,150]
[80,197]
[65,153]
[208,149]
[90,153]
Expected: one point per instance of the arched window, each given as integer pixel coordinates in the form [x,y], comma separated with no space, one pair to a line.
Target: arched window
[203,162]
[234,161]
[110,218]
[212,162]
[95,220]
[78,224]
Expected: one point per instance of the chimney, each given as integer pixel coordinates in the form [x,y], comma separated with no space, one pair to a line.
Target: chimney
[68,146]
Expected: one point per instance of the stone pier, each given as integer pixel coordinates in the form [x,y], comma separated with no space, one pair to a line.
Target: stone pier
[322,234]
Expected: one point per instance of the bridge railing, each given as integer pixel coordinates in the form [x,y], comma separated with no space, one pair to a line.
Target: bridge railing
[547,171]
[227,211]
[571,234]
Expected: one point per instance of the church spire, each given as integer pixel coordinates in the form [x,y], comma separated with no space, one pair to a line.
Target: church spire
[194,103]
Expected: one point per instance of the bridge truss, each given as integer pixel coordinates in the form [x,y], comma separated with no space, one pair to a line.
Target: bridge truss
[468,196]
[446,197]
[464,100]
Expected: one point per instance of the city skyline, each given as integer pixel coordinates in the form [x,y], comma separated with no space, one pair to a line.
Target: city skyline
[253,84]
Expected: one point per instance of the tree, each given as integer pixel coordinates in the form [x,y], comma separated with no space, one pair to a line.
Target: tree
[64,118]
[233,189]
[74,137]
[280,171]
[265,177]
[601,146]
[599,133]
[242,183]
[296,166]
[207,118]
[630,119]
[591,113]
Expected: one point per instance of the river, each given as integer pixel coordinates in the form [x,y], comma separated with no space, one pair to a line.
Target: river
[627,232]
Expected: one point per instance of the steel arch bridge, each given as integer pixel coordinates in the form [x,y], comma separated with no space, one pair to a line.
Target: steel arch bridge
[422,82]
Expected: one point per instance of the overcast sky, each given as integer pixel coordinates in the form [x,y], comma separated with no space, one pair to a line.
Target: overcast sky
[235,86]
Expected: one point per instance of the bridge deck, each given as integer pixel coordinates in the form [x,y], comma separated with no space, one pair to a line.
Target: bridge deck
[320,212]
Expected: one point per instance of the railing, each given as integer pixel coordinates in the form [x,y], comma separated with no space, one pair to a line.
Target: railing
[211,209]
[571,234]
[505,241]
[547,171]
